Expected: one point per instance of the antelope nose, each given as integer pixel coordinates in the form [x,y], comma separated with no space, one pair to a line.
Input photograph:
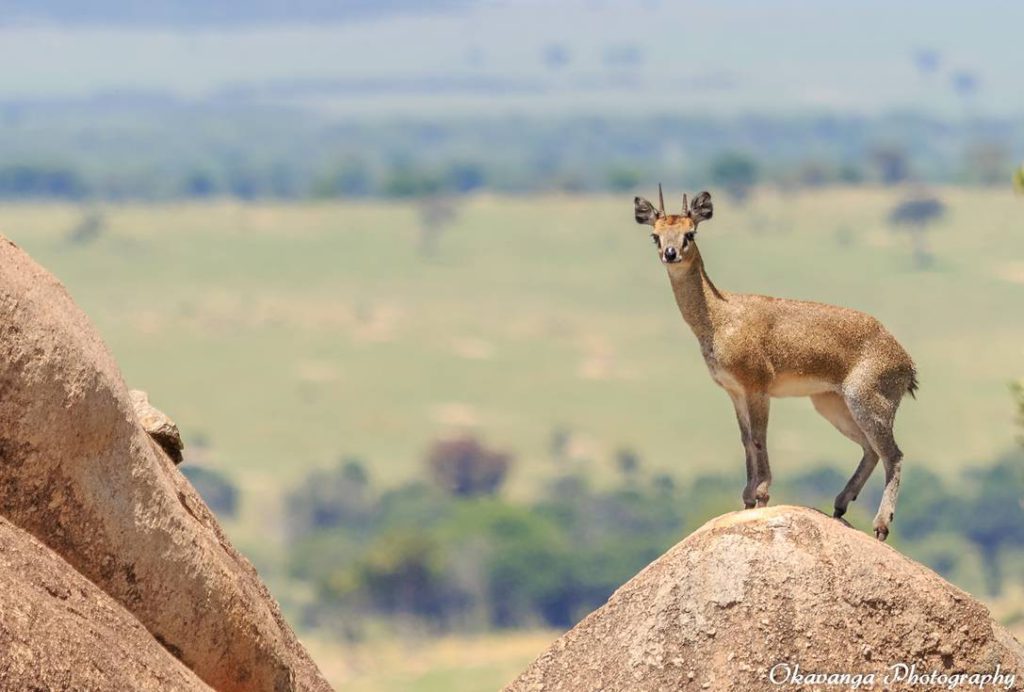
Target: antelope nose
[671,254]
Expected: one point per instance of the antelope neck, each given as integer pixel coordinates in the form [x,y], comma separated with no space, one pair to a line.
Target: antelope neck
[698,299]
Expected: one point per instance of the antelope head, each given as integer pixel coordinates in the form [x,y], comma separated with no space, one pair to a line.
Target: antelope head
[674,233]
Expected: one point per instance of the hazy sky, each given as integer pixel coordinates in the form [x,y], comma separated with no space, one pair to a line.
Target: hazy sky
[602,56]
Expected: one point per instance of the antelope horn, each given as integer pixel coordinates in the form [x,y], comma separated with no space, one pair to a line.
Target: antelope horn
[661,199]
[686,205]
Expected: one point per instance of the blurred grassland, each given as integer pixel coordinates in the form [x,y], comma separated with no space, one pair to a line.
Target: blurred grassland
[445,664]
[289,335]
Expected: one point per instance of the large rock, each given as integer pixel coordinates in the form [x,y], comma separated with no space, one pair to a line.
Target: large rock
[79,472]
[59,631]
[778,588]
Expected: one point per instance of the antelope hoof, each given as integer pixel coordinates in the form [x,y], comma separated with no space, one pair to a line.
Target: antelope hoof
[881,524]
[761,502]
[838,512]
[748,505]
[881,531]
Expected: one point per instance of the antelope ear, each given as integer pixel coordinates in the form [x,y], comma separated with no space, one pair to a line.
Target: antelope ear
[645,211]
[702,209]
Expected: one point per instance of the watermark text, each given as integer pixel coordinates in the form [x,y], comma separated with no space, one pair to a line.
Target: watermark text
[903,674]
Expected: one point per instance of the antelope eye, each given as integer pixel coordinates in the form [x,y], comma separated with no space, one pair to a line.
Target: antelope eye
[656,239]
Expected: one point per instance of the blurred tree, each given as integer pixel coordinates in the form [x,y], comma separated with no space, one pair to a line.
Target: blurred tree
[331,498]
[567,489]
[324,552]
[463,466]
[628,463]
[664,484]
[281,181]
[41,180]
[611,535]
[200,183]
[88,229]
[915,216]
[1017,389]
[943,551]
[993,518]
[513,557]
[817,486]
[404,181]
[851,174]
[736,173]
[558,443]
[242,182]
[401,573]
[219,493]
[349,178]
[623,178]
[465,176]
[923,505]
[711,495]
[437,213]
[891,164]
[205,151]
[412,504]
[462,560]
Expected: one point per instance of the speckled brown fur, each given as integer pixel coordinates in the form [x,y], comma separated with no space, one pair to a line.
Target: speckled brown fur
[757,347]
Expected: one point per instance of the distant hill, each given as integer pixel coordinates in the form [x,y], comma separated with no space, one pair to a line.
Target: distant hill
[200,13]
[150,145]
[576,56]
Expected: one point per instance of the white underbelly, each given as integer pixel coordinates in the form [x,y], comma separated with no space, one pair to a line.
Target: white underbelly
[798,385]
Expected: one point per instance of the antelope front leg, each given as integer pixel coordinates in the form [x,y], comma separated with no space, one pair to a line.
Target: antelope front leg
[757,417]
[741,418]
